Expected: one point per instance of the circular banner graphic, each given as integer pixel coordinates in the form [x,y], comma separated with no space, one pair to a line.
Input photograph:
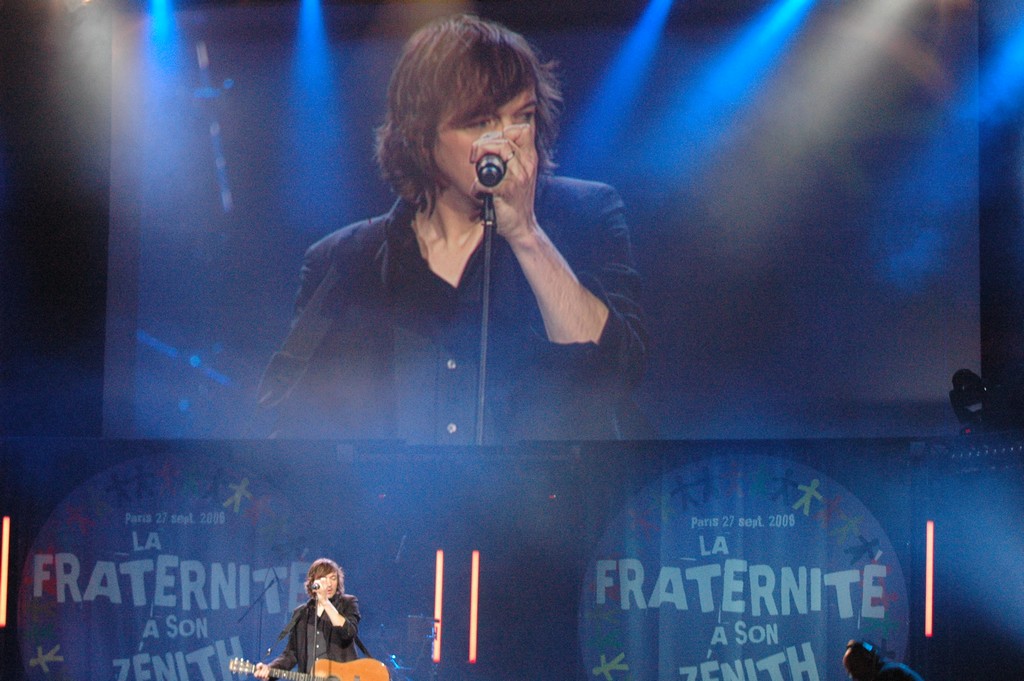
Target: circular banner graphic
[739,568]
[160,569]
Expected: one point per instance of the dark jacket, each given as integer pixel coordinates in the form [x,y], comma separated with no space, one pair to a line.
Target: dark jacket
[400,357]
[336,643]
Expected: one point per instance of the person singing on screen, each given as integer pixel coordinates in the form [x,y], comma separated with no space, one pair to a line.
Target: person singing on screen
[390,343]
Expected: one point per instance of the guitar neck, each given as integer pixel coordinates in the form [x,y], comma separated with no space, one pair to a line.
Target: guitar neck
[245,667]
[292,676]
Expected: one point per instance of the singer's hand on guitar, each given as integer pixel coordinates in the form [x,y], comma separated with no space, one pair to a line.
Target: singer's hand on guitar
[261,671]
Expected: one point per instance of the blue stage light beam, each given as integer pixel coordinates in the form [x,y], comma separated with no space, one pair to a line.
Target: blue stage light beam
[704,111]
[311,65]
[980,526]
[164,30]
[162,51]
[600,126]
[310,164]
[1001,90]
[920,208]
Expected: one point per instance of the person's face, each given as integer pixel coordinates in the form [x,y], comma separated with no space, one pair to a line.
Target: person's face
[455,138]
[329,582]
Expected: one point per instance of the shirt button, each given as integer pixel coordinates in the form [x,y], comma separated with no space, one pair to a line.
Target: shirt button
[452,364]
[452,428]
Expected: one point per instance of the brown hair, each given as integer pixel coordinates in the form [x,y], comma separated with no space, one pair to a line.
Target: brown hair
[457,67]
[323,567]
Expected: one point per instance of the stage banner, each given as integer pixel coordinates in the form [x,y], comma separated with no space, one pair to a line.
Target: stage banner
[739,568]
[161,568]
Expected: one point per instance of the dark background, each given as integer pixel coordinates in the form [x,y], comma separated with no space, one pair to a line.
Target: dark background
[55,131]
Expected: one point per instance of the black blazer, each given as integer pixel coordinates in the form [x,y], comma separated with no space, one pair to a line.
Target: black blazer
[399,359]
[340,640]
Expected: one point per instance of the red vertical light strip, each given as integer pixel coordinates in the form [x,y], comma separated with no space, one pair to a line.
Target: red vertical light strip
[438,593]
[5,554]
[474,592]
[929,578]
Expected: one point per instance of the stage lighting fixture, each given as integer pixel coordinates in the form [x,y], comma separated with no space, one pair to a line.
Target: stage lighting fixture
[929,580]
[438,599]
[968,398]
[5,550]
[474,609]
[982,406]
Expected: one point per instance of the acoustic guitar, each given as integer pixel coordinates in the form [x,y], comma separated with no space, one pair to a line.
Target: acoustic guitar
[363,669]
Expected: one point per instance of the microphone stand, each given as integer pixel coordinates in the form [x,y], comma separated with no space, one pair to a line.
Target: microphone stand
[259,614]
[490,224]
[312,646]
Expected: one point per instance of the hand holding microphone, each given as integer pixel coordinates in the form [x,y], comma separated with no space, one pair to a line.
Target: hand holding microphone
[505,164]
[492,165]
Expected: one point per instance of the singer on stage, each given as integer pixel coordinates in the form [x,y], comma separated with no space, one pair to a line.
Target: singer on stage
[390,344]
[325,628]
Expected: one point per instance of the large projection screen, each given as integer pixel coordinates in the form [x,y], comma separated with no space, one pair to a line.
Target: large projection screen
[801,192]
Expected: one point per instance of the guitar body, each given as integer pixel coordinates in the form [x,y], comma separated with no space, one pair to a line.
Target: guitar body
[363,669]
